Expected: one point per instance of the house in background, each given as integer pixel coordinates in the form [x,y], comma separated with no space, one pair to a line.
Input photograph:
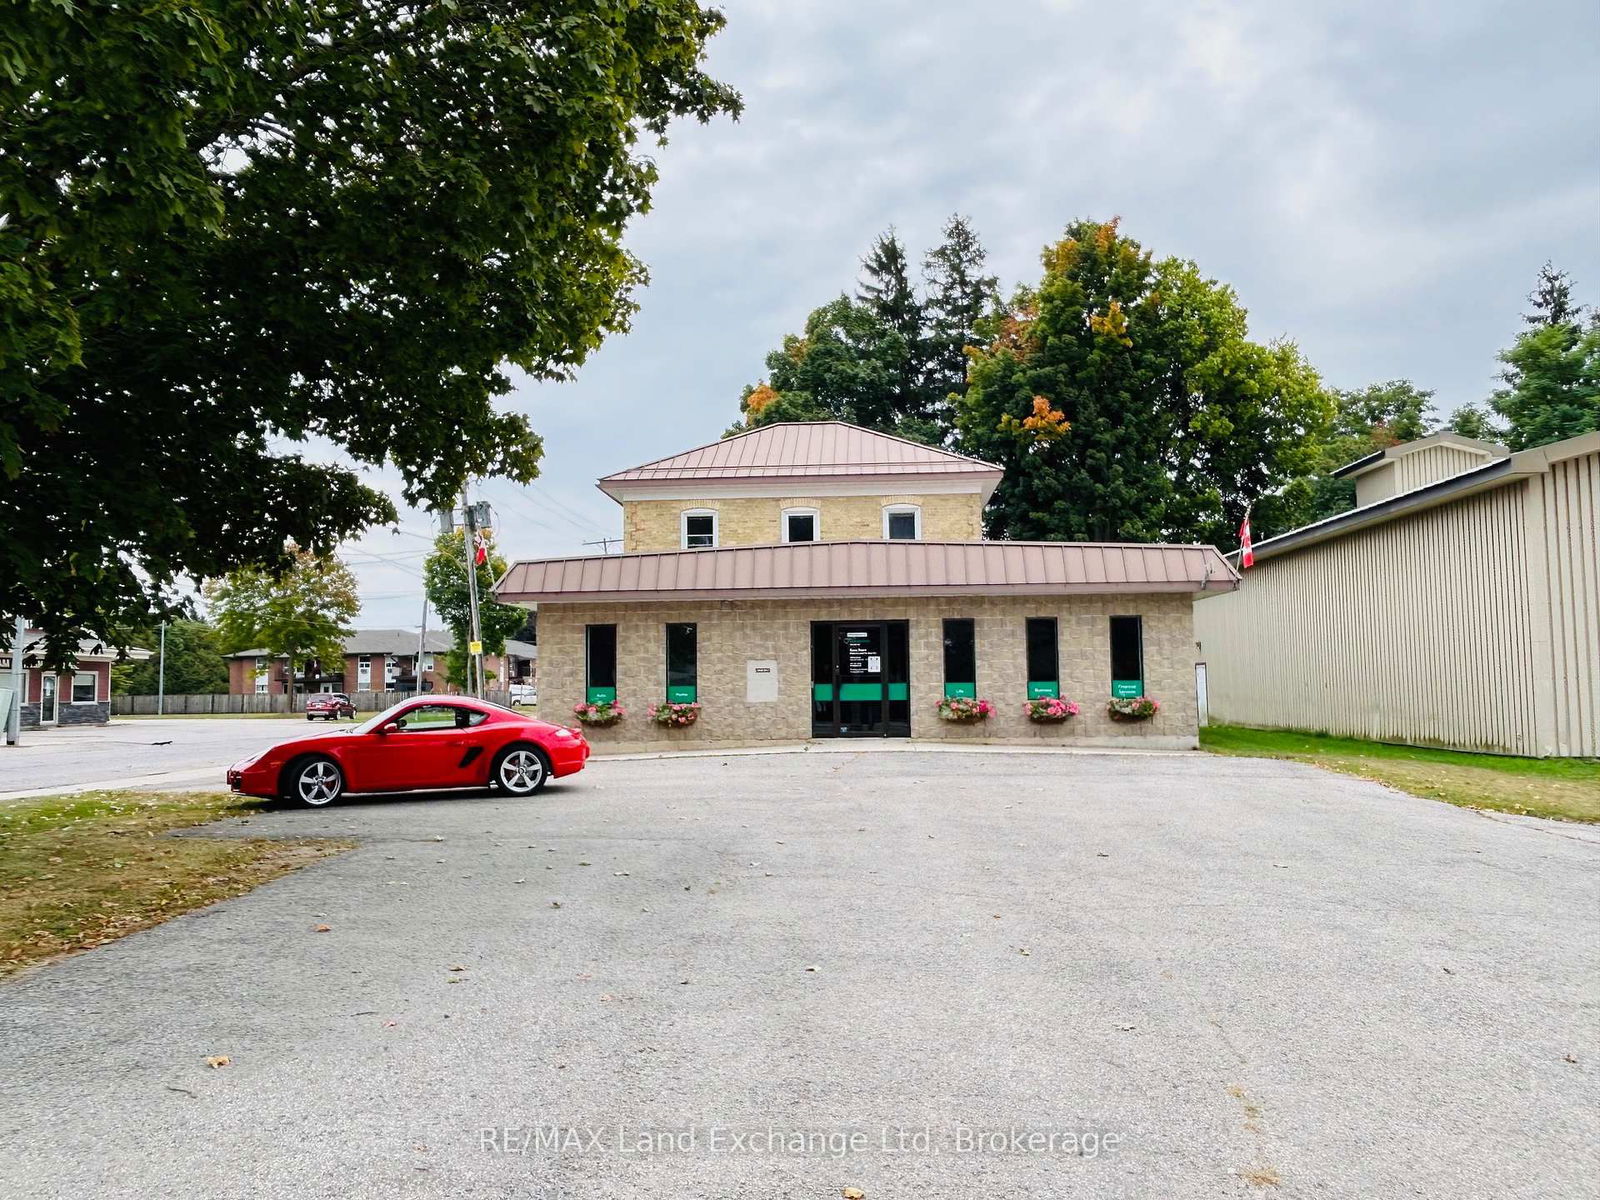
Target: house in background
[1457,605]
[78,696]
[375,660]
[817,579]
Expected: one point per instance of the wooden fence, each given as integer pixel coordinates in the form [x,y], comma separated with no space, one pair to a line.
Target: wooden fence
[205,703]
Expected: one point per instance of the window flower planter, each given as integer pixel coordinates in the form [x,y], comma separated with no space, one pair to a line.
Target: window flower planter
[675,716]
[963,710]
[599,715]
[1132,708]
[1049,711]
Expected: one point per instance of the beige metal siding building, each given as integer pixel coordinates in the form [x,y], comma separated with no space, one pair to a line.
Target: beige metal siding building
[1463,611]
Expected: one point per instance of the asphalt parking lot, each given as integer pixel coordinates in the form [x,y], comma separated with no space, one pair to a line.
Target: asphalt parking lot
[916,974]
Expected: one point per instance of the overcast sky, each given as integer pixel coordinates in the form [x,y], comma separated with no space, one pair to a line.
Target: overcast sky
[1378,181]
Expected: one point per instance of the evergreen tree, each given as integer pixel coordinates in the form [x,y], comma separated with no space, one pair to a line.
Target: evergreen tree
[958,293]
[194,663]
[886,293]
[1552,371]
[1552,299]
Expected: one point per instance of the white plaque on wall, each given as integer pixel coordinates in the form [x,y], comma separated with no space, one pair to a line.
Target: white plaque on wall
[761,680]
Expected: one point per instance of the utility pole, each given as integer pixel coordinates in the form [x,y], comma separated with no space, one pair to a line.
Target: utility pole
[422,642]
[604,544]
[18,679]
[161,673]
[475,644]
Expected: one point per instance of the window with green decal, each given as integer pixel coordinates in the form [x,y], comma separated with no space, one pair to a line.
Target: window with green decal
[960,657]
[600,663]
[1044,660]
[1127,656]
[683,664]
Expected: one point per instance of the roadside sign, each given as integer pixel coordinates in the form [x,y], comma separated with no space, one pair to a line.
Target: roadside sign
[474,647]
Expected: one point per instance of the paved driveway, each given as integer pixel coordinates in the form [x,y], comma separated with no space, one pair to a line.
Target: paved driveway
[1213,966]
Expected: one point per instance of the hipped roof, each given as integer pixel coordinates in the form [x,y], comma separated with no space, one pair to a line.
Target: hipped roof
[802,450]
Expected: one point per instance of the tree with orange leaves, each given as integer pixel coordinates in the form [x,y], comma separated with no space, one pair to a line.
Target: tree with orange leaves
[1127,403]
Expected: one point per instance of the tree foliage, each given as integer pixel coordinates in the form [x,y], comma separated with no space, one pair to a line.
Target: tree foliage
[1552,371]
[887,358]
[231,226]
[194,663]
[1365,420]
[446,581]
[1126,402]
[303,614]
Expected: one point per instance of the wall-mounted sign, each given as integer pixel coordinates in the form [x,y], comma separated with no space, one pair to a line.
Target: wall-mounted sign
[760,681]
[1127,689]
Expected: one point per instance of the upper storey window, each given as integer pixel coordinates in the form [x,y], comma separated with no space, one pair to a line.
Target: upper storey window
[698,527]
[902,522]
[801,525]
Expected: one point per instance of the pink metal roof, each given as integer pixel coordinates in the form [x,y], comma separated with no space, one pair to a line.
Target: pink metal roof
[871,568]
[809,448]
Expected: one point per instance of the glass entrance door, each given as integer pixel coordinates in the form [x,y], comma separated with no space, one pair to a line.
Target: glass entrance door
[860,679]
[47,699]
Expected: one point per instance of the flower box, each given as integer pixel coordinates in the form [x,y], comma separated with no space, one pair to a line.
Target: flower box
[673,715]
[964,710]
[607,712]
[1048,710]
[1132,708]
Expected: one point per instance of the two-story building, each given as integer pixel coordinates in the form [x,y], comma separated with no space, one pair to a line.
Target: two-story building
[374,660]
[822,580]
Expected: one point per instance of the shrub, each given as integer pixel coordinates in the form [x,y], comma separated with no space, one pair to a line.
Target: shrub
[607,712]
[1132,708]
[963,710]
[675,716]
[1048,710]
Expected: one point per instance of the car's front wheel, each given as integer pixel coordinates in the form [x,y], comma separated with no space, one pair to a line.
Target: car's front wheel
[315,782]
[520,770]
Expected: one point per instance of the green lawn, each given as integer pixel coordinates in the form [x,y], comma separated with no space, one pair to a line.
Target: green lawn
[1564,788]
[78,871]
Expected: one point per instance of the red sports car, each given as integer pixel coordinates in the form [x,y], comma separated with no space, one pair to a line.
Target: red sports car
[437,742]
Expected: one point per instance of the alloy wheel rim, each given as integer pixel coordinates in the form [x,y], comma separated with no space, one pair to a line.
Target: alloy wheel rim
[521,771]
[319,782]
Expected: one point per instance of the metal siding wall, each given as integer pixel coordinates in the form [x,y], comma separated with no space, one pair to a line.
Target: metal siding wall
[1416,630]
[1422,467]
[1572,548]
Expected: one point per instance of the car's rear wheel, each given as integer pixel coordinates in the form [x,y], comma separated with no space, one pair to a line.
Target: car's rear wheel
[314,782]
[520,770]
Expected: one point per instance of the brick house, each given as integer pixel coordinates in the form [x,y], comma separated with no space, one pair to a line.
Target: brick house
[375,660]
[80,695]
[816,579]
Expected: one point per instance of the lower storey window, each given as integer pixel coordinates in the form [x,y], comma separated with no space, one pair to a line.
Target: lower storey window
[960,658]
[1127,656]
[1044,665]
[683,664]
[85,687]
[600,663]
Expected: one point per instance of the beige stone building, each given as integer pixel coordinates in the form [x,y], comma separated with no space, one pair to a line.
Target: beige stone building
[818,580]
[1457,605]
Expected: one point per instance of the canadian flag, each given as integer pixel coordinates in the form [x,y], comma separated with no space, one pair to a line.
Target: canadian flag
[1247,555]
[480,549]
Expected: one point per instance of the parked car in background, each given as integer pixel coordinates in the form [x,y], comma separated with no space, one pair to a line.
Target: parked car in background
[449,742]
[524,693]
[330,706]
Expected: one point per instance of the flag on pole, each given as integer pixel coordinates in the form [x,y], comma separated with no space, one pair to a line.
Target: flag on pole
[1247,555]
[480,549]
